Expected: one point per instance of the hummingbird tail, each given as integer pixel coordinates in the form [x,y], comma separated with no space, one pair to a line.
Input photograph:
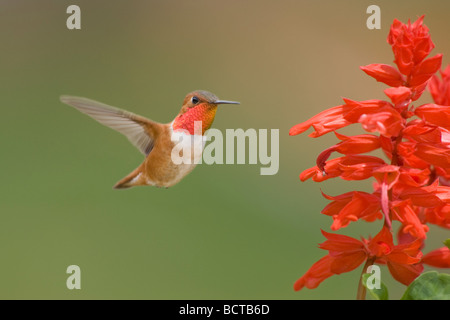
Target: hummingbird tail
[129,181]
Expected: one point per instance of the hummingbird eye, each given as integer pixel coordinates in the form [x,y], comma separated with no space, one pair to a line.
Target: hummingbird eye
[195,100]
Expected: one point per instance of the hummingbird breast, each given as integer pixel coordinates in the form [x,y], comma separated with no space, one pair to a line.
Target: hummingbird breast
[174,155]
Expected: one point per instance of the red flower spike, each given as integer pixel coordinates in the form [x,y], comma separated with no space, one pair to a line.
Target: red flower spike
[413,188]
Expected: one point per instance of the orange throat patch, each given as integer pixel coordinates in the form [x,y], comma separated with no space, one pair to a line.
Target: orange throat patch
[202,112]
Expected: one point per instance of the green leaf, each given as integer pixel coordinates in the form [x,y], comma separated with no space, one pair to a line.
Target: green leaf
[377,294]
[429,286]
[447,243]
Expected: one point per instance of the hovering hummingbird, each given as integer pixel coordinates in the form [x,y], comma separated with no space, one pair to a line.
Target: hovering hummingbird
[155,140]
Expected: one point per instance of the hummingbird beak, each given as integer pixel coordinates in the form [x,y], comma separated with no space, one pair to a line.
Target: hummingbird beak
[225,102]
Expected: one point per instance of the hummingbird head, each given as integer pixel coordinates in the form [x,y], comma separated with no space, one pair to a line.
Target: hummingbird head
[201,106]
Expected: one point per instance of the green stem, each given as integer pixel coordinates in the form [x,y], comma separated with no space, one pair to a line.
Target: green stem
[361,293]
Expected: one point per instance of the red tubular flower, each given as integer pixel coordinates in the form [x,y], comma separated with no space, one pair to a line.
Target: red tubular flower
[384,73]
[405,213]
[352,206]
[387,121]
[338,117]
[352,167]
[420,131]
[413,188]
[434,155]
[439,258]
[349,145]
[324,122]
[427,197]
[386,176]
[435,114]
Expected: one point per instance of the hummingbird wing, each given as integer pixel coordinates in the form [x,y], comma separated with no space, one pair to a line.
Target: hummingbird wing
[139,130]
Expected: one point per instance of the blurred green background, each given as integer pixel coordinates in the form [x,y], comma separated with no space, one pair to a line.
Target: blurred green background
[224,232]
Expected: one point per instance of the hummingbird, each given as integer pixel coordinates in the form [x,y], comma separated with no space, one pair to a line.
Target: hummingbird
[156,140]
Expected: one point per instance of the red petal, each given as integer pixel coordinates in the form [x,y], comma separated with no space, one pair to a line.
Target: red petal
[347,262]
[406,151]
[381,244]
[425,70]
[433,155]
[340,243]
[352,167]
[387,121]
[364,107]
[403,58]
[439,216]
[404,213]
[318,272]
[402,258]
[323,157]
[395,29]
[435,114]
[324,122]
[434,85]
[362,206]
[439,258]
[405,273]
[308,173]
[423,196]
[398,95]
[384,73]
[357,144]
[349,145]
[418,91]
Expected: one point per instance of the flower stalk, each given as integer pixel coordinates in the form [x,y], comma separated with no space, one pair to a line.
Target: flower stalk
[411,186]
[361,293]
